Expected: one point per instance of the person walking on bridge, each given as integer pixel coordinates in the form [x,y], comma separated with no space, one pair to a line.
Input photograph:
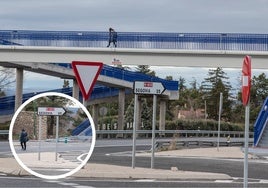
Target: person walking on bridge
[112,37]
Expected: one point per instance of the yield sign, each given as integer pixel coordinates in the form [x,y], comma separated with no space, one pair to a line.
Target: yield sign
[86,74]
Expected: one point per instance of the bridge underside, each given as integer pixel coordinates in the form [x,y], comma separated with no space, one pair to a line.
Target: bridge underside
[152,57]
[62,72]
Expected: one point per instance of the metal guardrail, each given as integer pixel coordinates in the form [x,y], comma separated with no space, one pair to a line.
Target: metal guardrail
[163,145]
[185,133]
[4,132]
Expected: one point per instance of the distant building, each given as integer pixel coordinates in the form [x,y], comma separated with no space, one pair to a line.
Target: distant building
[191,114]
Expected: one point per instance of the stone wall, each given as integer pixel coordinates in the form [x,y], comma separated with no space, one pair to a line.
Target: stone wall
[25,120]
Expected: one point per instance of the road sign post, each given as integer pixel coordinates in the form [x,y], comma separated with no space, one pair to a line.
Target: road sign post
[219,122]
[153,129]
[246,84]
[143,88]
[57,138]
[50,111]
[39,138]
[135,123]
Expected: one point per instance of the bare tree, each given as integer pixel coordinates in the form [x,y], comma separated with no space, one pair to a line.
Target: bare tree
[7,77]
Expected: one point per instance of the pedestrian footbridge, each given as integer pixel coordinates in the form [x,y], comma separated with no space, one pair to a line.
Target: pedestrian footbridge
[47,51]
[108,85]
[261,128]
[135,48]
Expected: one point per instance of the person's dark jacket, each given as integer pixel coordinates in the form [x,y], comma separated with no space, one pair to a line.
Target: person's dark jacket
[23,136]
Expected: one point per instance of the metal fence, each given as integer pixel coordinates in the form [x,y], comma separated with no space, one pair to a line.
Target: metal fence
[184,133]
[148,40]
[4,132]
[170,133]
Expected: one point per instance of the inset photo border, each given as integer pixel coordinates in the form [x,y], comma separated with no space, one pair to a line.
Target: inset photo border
[48,132]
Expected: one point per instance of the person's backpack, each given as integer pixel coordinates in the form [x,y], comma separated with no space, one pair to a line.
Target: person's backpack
[114,36]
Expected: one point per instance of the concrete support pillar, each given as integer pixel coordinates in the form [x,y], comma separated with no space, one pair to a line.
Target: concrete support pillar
[75,89]
[121,111]
[162,119]
[19,87]
[95,115]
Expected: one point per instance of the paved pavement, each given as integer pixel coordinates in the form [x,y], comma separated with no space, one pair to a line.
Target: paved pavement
[10,165]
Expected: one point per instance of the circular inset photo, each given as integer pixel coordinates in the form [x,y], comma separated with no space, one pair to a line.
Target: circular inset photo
[52,135]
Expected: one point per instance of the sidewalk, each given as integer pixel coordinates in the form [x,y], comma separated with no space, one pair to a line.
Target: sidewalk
[10,166]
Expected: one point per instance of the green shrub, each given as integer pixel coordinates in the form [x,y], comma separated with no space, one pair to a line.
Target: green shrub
[203,125]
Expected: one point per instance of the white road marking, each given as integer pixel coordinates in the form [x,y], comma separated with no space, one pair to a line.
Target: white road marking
[223,181]
[79,158]
[145,180]
[68,184]
[75,185]
[263,181]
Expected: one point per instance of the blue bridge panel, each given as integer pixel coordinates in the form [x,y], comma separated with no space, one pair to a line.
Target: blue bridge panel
[83,126]
[131,76]
[148,40]
[260,123]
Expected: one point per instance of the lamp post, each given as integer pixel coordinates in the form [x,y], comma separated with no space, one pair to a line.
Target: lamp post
[205,109]
[205,104]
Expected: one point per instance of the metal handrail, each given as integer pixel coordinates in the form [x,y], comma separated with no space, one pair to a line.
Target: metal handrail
[4,132]
[162,132]
[261,122]
[148,40]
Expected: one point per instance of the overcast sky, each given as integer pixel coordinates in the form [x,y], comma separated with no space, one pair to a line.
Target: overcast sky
[193,16]
[247,16]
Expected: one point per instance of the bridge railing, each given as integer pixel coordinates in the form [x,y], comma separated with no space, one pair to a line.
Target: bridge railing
[148,40]
[261,122]
[130,76]
[7,104]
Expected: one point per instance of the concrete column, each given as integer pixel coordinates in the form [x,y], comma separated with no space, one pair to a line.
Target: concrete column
[95,115]
[75,89]
[121,111]
[19,87]
[162,119]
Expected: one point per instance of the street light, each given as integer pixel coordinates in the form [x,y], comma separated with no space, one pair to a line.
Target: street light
[205,103]
[206,110]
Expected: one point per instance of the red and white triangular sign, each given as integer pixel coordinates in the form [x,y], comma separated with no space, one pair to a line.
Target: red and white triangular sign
[86,74]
